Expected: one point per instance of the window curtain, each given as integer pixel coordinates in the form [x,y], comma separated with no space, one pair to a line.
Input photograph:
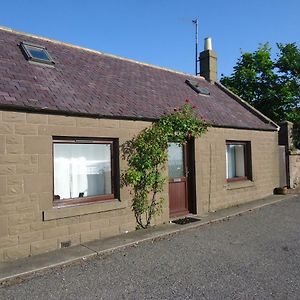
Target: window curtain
[230,159]
[240,161]
[235,161]
[82,170]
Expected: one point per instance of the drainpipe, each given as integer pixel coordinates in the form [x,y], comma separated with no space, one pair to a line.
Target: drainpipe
[210,174]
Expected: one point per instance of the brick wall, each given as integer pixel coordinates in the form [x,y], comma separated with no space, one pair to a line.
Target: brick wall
[30,225]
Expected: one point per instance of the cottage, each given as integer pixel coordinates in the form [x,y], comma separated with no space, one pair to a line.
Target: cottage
[64,111]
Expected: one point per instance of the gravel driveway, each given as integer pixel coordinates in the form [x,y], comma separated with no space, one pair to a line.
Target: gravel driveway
[253,256]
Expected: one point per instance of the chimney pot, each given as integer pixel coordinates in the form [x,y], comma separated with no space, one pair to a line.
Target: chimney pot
[208,43]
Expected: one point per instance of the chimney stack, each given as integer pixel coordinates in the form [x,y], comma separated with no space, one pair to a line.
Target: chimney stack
[208,61]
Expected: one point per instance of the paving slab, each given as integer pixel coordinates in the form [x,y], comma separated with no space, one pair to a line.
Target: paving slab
[132,238]
[27,266]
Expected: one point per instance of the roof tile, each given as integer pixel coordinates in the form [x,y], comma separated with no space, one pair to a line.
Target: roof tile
[91,83]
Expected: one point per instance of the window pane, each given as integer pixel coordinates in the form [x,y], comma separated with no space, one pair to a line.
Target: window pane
[175,159]
[235,161]
[38,53]
[239,161]
[82,170]
[230,161]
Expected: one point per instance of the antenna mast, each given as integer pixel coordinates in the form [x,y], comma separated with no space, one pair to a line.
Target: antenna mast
[196,46]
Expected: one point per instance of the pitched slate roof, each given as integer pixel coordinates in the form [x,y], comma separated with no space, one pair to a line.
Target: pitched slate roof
[87,82]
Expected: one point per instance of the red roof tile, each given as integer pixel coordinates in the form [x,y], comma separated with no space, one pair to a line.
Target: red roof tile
[89,82]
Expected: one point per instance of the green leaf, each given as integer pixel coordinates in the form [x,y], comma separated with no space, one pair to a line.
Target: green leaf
[146,156]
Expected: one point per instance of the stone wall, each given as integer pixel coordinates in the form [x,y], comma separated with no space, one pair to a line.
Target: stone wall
[213,190]
[29,224]
[294,169]
[292,154]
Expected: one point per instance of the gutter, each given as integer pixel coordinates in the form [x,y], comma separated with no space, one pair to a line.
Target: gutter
[45,110]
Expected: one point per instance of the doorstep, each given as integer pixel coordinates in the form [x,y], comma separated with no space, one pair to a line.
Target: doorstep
[15,271]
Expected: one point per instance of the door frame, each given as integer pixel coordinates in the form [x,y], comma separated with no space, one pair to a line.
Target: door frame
[190,187]
[191,180]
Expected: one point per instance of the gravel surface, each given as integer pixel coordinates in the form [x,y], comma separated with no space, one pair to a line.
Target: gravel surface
[253,256]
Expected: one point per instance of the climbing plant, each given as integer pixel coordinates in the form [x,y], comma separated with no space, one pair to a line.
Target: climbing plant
[146,155]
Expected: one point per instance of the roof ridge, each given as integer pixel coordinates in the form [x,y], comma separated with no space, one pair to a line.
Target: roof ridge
[4,28]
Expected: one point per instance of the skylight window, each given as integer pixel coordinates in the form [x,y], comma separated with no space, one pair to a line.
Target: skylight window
[36,53]
[198,89]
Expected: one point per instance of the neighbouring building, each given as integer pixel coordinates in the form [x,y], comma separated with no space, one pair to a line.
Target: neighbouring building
[64,112]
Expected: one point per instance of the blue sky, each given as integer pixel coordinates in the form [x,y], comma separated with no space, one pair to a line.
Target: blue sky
[159,32]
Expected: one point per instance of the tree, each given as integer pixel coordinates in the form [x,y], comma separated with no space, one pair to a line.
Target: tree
[270,85]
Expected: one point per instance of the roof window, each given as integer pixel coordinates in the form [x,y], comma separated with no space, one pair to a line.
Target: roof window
[198,89]
[36,53]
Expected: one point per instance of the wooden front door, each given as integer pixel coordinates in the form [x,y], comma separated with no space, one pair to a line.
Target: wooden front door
[178,180]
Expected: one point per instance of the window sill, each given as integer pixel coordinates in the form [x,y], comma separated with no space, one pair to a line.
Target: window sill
[235,179]
[72,211]
[82,201]
[234,185]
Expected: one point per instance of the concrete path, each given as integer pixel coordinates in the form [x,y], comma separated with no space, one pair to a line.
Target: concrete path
[28,267]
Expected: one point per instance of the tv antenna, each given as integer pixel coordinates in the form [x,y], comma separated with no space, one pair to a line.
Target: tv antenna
[196,46]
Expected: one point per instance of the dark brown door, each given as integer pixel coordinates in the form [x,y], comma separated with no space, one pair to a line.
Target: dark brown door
[178,180]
